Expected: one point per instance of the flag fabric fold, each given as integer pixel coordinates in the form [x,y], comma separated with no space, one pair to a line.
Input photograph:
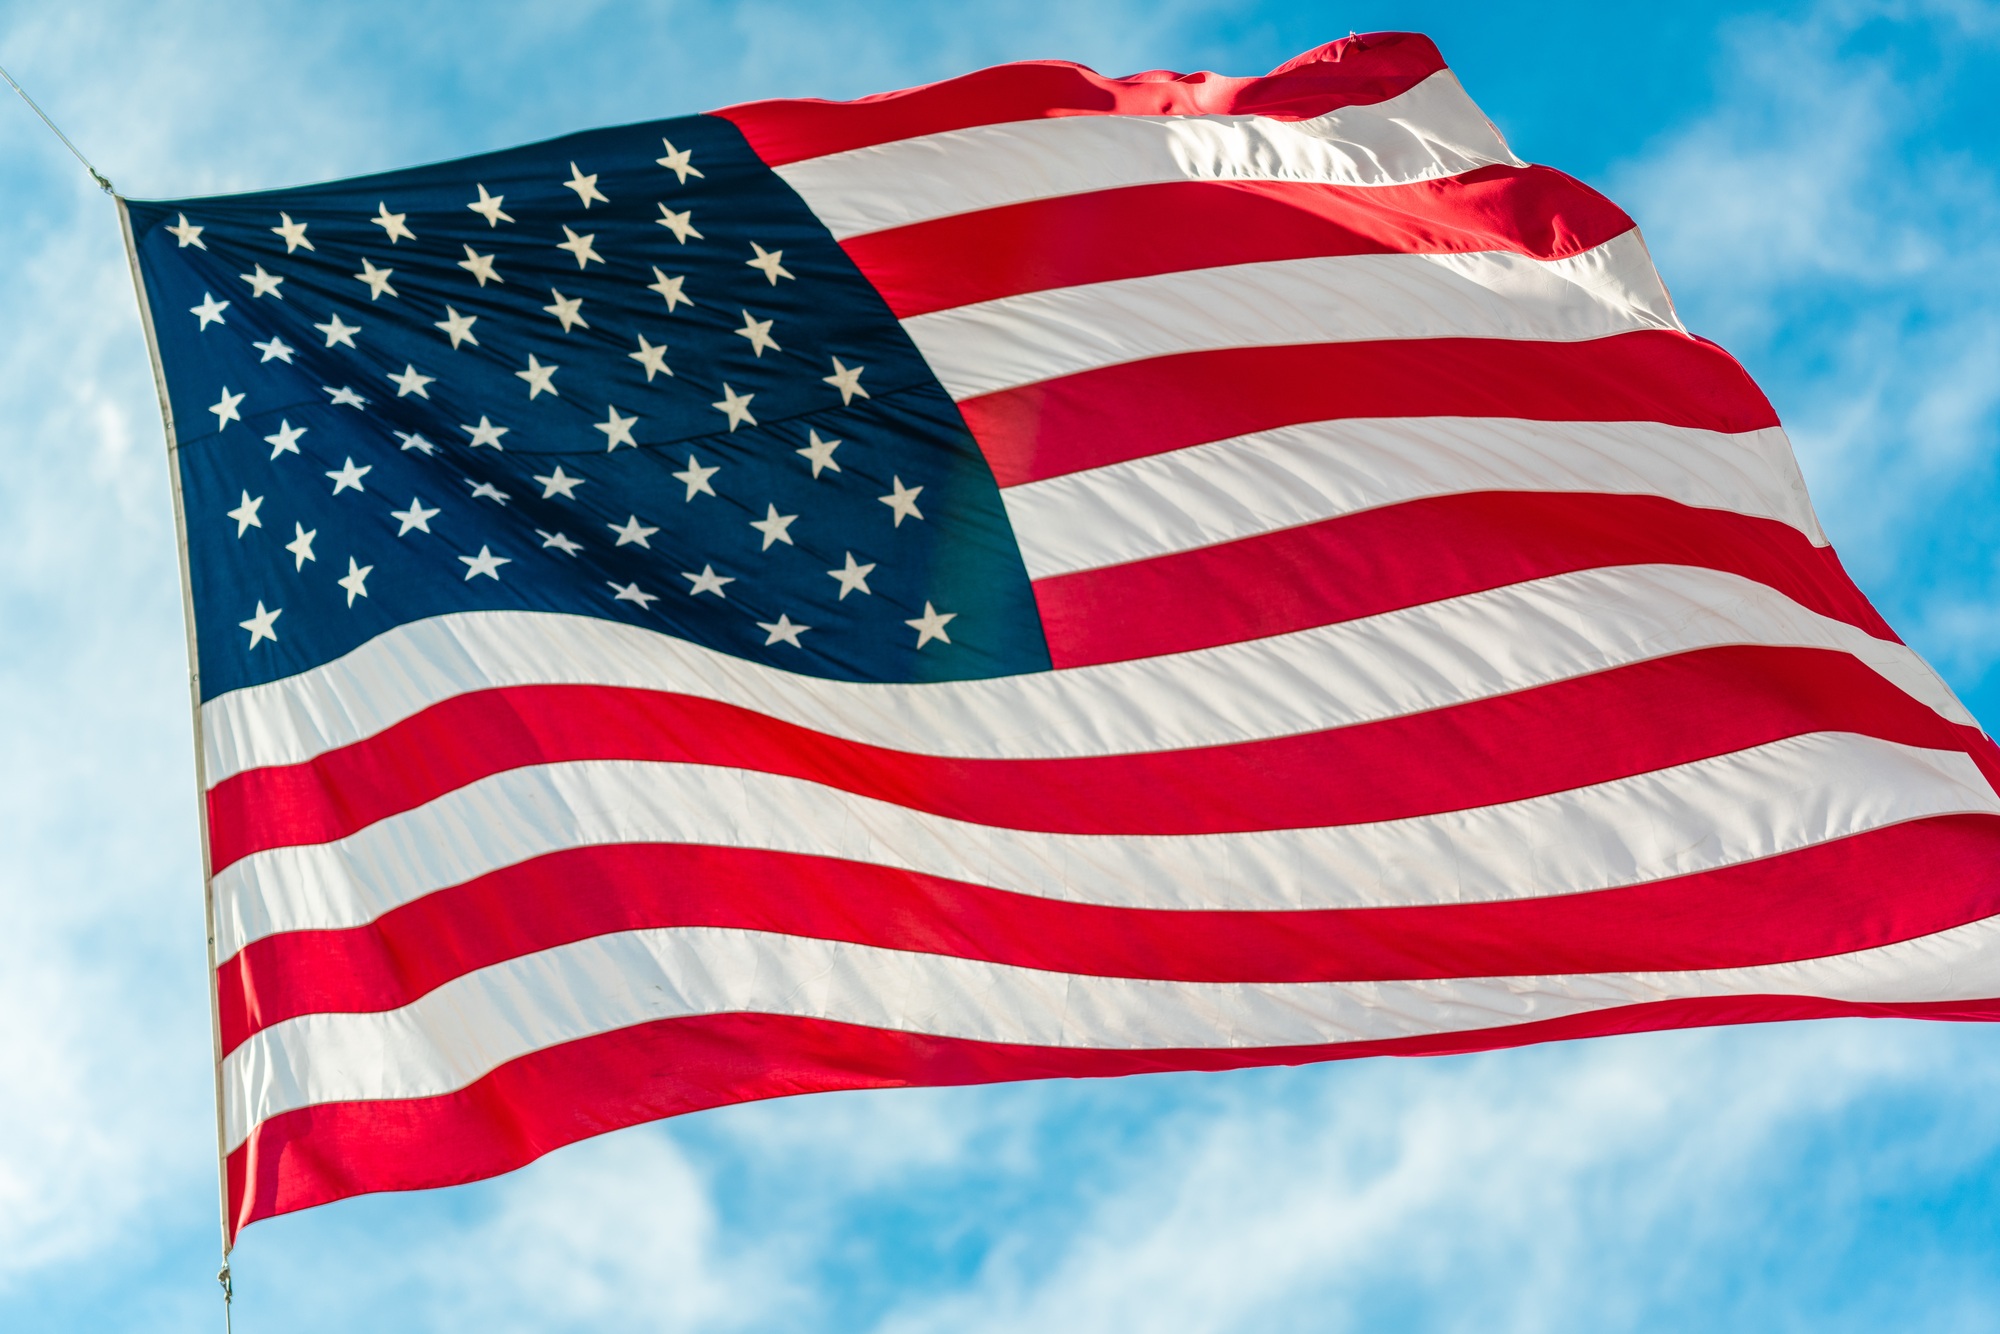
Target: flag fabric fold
[1036,575]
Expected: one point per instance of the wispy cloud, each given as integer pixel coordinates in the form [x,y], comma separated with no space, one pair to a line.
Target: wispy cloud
[1715,1178]
[1822,217]
[105,1145]
[1834,219]
[1505,1192]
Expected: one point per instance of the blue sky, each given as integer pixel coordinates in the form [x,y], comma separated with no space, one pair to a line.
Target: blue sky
[1820,184]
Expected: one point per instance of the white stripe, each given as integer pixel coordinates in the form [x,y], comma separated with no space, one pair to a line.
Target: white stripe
[1692,817]
[469,1026]
[1430,131]
[1017,340]
[1399,662]
[1238,488]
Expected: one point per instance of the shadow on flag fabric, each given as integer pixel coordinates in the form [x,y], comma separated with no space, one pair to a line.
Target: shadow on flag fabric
[1040,575]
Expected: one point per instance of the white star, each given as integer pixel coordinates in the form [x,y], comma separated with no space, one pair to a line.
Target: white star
[488,207]
[416,516]
[413,440]
[696,477]
[486,433]
[301,545]
[903,501]
[708,581]
[293,232]
[759,334]
[187,234]
[356,580]
[560,483]
[847,381]
[782,628]
[585,186]
[245,514]
[345,397]
[392,223]
[347,477]
[209,311]
[410,382]
[261,625]
[653,356]
[567,309]
[262,283]
[931,625]
[377,279]
[617,430]
[540,378]
[580,246]
[680,224]
[276,349]
[632,531]
[676,161]
[767,263]
[480,266]
[670,288]
[286,441]
[487,491]
[485,563]
[735,406]
[568,546]
[631,593]
[773,526]
[225,409]
[457,327]
[853,577]
[819,452]
[337,331]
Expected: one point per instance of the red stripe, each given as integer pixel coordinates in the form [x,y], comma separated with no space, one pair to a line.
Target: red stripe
[1352,72]
[1420,551]
[560,1095]
[1165,228]
[1855,893]
[1591,729]
[1148,407]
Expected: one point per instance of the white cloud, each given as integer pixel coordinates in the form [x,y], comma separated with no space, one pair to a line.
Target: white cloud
[618,1233]
[1508,1192]
[622,1236]
[100,964]
[1505,1192]
[1821,222]
[104,1044]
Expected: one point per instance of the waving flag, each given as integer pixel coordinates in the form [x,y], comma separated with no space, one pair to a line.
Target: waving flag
[1038,575]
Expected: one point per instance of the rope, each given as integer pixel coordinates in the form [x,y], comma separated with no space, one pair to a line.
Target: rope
[33,106]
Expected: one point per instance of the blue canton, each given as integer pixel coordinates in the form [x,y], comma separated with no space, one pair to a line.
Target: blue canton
[624,374]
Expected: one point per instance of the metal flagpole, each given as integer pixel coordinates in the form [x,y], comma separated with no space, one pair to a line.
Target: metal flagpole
[222,1275]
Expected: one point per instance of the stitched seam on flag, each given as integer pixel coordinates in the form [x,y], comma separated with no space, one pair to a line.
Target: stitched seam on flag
[841,187]
[1270,481]
[1632,830]
[1958,963]
[1011,342]
[413,666]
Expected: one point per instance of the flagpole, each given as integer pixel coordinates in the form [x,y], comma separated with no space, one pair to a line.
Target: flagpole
[222,1275]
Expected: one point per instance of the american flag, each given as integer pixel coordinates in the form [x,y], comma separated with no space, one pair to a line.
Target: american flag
[1036,575]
